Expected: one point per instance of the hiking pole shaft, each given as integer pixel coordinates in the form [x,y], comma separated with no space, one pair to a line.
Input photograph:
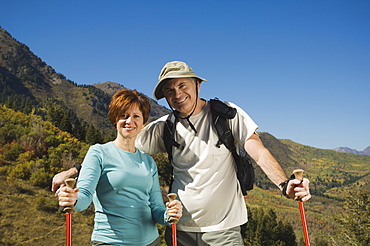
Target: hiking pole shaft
[173,220]
[304,223]
[174,236]
[70,182]
[299,175]
[68,230]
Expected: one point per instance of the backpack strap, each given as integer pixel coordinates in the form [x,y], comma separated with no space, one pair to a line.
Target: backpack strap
[169,135]
[221,109]
[220,114]
[243,164]
[169,140]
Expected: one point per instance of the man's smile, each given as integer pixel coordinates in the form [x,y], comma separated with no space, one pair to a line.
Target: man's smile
[181,100]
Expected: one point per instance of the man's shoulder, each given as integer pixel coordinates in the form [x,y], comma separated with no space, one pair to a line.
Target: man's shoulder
[155,126]
[233,105]
[161,119]
[158,122]
[228,103]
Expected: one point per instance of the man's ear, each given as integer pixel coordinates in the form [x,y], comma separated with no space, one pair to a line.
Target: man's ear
[198,83]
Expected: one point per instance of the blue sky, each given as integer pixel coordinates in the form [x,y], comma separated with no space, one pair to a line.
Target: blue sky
[300,69]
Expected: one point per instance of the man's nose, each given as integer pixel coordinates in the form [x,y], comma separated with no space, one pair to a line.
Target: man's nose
[178,92]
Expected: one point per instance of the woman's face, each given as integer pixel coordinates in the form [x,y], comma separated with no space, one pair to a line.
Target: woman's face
[130,122]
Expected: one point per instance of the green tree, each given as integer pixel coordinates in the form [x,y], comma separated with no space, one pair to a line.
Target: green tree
[264,229]
[79,130]
[93,135]
[355,219]
[285,233]
[66,122]
[54,114]
[12,151]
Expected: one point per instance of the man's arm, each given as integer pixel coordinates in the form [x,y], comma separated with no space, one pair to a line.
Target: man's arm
[273,170]
[59,178]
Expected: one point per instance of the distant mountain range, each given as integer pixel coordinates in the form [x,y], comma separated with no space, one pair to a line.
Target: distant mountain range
[353,151]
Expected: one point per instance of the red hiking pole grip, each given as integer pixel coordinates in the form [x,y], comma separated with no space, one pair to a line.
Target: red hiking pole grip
[70,182]
[299,175]
[173,220]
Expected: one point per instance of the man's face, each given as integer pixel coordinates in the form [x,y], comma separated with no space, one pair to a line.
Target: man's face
[181,94]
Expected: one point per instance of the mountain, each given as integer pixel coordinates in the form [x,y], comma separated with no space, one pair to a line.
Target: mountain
[26,80]
[366,151]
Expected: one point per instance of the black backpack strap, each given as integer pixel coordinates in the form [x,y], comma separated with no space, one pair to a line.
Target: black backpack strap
[169,139]
[169,135]
[244,168]
[220,114]
[221,109]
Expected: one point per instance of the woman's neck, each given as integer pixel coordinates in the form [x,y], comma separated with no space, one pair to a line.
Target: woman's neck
[125,144]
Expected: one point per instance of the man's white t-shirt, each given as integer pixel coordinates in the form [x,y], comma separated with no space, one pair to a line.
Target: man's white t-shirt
[204,175]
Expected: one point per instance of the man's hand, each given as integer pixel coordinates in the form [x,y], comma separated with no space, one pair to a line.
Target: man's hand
[59,178]
[174,209]
[299,189]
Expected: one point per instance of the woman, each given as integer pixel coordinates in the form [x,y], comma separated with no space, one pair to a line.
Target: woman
[122,181]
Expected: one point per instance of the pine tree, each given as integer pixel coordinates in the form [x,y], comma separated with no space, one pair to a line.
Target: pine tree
[79,130]
[93,136]
[66,121]
[54,114]
[355,219]
[263,229]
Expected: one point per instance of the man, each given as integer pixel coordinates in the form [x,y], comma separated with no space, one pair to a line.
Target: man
[203,174]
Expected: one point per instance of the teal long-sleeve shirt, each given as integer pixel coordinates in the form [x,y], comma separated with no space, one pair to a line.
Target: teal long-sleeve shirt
[125,190]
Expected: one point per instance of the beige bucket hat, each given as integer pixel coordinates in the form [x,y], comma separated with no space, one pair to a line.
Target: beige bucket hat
[174,69]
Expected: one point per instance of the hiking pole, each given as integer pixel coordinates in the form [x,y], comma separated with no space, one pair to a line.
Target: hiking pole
[173,220]
[70,182]
[299,175]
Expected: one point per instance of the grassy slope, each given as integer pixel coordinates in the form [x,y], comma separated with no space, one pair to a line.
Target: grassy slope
[30,217]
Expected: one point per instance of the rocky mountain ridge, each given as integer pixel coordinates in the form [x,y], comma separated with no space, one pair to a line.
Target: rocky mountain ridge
[366,151]
[27,79]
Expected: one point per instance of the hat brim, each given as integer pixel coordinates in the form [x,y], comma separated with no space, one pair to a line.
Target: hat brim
[158,92]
